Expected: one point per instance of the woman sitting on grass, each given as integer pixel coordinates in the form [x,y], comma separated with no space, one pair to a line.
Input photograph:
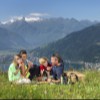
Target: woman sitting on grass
[14,73]
[45,67]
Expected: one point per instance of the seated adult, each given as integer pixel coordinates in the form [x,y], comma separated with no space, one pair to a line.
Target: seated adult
[33,70]
[14,74]
[57,68]
[45,67]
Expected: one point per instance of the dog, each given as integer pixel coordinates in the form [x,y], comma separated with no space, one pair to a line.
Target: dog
[74,76]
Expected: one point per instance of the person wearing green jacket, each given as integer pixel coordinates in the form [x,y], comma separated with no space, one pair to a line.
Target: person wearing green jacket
[14,69]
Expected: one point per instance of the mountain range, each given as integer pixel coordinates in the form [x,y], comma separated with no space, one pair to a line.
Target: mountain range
[9,40]
[83,45]
[22,33]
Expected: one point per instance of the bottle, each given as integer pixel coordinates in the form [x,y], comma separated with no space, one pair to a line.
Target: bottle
[61,79]
[29,62]
[65,79]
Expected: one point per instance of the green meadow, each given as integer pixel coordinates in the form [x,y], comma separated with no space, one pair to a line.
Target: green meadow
[89,89]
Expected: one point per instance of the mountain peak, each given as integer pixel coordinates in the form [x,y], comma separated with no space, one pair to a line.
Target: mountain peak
[27,19]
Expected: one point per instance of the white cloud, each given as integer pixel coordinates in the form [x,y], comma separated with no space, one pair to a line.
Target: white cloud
[35,16]
[38,14]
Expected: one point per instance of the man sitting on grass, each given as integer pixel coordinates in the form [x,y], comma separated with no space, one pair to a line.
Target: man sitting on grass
[57,68]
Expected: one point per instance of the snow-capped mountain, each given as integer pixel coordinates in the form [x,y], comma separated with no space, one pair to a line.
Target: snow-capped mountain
[27,19]
[37,31]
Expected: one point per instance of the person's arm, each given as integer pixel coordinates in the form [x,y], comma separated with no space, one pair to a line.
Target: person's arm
[56,81]
[15,73]
[49,68]
[59,74]
[30,63]
[27,69]
[41,72]
[23,71]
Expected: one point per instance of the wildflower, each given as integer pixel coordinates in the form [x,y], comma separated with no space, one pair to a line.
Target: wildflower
[45,92]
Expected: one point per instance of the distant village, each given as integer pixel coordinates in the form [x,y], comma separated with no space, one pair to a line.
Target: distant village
[86,65]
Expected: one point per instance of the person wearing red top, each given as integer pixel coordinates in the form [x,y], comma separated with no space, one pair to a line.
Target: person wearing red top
[42,67]
[45,67]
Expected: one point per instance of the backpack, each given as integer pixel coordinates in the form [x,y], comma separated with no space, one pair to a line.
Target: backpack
[65,78]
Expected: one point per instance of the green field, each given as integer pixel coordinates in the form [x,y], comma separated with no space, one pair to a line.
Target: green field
[90,89]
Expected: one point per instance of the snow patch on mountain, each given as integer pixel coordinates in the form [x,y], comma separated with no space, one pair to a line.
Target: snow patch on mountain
[32,17]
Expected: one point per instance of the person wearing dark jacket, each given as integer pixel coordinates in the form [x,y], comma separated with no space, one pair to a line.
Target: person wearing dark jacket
[57,68]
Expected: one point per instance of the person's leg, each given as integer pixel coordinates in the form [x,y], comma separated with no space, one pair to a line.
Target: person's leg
[37,71]
[34,71]
[31,73]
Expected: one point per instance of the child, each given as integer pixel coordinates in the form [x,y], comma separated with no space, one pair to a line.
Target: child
[45,67]
[14,70]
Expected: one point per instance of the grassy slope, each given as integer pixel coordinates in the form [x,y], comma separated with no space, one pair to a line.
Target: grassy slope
[89,89]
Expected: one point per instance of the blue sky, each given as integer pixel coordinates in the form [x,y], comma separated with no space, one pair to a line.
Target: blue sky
[79,9]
